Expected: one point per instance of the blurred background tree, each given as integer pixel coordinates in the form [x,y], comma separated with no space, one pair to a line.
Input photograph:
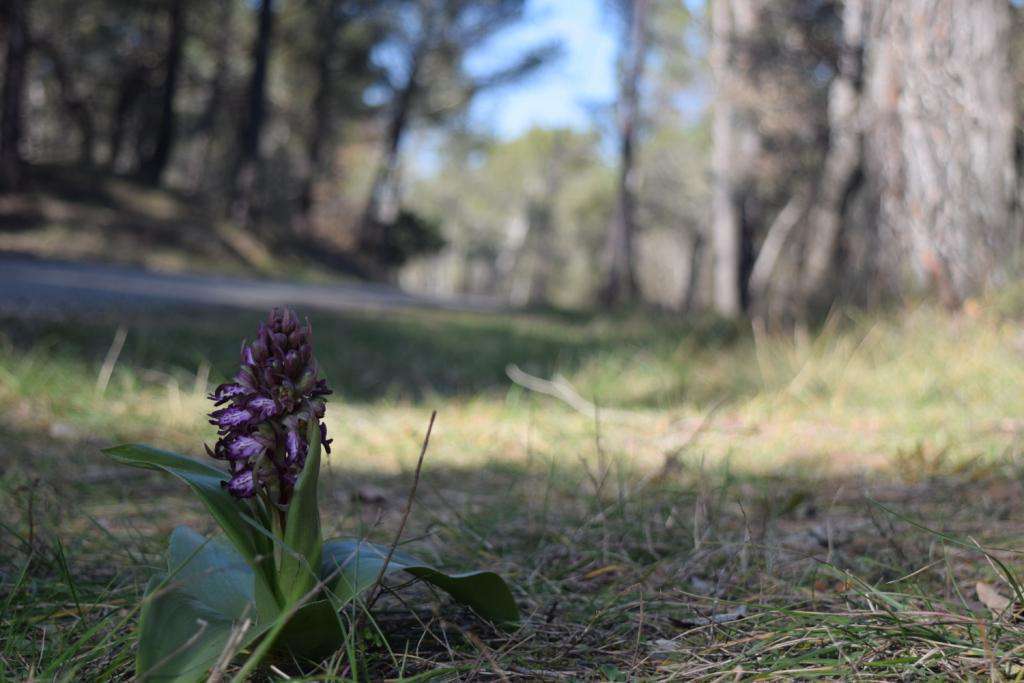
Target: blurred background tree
[752,158]
[428,42]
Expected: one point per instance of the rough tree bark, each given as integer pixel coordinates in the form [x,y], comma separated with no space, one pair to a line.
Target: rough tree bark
[153,167]
[735,144]
[13,96]
[941,143]
[619,278]
[1017,68]
[246,165]
[922,118]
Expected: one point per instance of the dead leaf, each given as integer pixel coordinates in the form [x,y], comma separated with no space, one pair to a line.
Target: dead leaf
[991,598]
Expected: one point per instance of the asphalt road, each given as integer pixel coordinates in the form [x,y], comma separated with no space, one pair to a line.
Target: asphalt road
[38,286]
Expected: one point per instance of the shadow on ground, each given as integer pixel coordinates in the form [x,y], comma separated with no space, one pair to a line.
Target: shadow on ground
[619,575]
[404,355]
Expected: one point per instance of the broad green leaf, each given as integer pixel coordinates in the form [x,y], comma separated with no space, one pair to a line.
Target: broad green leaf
[300,560]
[313,633]
[213,567]
[230,513]
[355,566]
[189,613]
[207,591]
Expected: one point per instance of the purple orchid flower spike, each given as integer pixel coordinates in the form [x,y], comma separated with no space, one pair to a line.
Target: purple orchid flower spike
[263,416]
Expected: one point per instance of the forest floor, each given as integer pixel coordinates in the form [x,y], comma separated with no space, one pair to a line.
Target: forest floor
[668,500]
[89,215]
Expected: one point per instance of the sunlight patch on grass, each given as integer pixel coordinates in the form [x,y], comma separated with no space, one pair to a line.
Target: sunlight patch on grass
[853,397]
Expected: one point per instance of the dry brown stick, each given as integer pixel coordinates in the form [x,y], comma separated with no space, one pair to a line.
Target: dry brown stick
[375,593]
[485,653]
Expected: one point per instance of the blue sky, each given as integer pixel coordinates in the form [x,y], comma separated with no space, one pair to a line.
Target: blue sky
[564,93]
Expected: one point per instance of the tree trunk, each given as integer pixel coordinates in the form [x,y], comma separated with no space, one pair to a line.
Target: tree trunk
[843,161]
[1017,68]
[941,143]
[382,204]
[619,284]
[694,275]
[205,128]
[770,295]
[510,254]
[735,144]
[153,167]
[74,105]
[320,131]
[246,165]
[133,85]
[13,96]
[918,183]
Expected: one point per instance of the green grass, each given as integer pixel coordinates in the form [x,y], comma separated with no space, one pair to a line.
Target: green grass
[737,506]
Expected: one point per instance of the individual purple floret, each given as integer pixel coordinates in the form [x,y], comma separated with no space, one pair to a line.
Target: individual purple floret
[267,410]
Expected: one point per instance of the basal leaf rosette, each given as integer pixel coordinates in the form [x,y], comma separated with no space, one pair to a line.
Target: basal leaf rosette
[271,583]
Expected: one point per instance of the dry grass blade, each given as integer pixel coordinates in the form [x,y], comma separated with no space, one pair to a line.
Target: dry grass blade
[378,583]
[110,361]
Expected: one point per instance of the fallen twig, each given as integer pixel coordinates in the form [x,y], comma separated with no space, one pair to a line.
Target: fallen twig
[558,387]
